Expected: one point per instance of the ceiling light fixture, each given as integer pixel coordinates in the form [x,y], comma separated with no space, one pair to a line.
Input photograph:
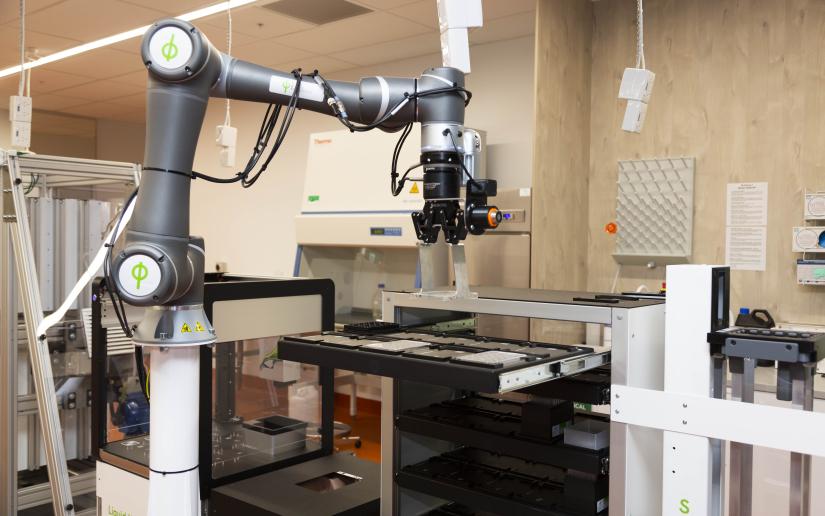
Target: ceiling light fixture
[123,36]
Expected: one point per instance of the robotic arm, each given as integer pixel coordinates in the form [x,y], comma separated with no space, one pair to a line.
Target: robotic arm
[161,265]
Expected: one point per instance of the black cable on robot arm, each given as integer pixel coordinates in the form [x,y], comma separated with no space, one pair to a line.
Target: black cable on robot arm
[396,188]
[470,179]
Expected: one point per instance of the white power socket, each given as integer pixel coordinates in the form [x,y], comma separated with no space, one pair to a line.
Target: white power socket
[634,116]
[226,137]
[227,157]
[636,88]
[21,134]
[637,84]
[20,109]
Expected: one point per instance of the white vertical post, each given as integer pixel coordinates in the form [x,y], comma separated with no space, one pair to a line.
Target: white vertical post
[687,473]
[636,452]
[173,429]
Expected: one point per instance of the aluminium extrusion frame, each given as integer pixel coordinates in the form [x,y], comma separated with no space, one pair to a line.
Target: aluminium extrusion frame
[51,172]
[637,351]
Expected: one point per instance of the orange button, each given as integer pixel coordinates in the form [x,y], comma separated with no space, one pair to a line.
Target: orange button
[492,217]
[611,228]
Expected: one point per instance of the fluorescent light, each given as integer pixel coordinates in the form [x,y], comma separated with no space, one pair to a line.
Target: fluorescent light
[213,9]
[123,36]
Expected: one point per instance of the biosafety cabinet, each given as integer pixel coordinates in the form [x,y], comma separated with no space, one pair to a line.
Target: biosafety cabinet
[352,230]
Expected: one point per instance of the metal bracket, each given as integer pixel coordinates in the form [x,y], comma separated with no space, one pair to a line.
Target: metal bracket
[720,419]
[427,259]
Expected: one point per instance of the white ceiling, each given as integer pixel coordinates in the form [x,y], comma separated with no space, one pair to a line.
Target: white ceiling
[109,82]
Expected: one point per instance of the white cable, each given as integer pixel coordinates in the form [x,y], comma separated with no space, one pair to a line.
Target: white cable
[227,118]
[640,35]
[22,45]
[87,276]
[616,278]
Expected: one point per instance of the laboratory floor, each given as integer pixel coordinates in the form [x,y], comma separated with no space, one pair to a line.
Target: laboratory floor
[366,425]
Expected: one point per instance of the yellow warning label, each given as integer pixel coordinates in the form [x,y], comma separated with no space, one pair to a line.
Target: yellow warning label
[199,327]
[414,188]
[185,328]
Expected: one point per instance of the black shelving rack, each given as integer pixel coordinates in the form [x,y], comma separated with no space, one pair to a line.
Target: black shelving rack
[494,466]
[478,453]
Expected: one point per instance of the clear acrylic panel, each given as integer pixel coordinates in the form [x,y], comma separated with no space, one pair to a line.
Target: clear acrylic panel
[264,410]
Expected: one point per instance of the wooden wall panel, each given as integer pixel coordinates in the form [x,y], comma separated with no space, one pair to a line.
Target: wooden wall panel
[561,151]
[740,85]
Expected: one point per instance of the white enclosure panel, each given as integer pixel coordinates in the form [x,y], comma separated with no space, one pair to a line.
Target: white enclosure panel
[121,492]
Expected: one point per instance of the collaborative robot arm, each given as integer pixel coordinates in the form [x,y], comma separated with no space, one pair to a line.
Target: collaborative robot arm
[161,265]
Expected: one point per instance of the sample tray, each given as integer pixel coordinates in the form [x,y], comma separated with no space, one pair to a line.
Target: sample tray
[502,485]
[496,425]
[462,362]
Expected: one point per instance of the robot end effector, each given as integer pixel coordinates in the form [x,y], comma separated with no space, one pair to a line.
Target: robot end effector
[442,210]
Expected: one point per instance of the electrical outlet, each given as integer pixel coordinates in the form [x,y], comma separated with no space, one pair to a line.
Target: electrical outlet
[226,136]
[636,88]
[21,135]
[20,109]
[634,116]
[227,156]
[637,84]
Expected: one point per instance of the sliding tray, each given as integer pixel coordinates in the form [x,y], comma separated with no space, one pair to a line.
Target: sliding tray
[497,426]
[461,362]
[504,485]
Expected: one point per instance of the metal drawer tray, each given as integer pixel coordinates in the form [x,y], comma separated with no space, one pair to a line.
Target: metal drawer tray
[400,356]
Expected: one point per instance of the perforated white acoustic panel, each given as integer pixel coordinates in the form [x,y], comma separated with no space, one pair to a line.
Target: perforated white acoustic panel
[654,211]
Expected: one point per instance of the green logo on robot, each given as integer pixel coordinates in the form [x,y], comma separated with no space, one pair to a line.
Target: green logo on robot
[139,272]
[169,50]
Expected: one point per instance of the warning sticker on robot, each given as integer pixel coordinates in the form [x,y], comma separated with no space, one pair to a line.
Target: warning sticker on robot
[185,328]
[199,327]
[414,188]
